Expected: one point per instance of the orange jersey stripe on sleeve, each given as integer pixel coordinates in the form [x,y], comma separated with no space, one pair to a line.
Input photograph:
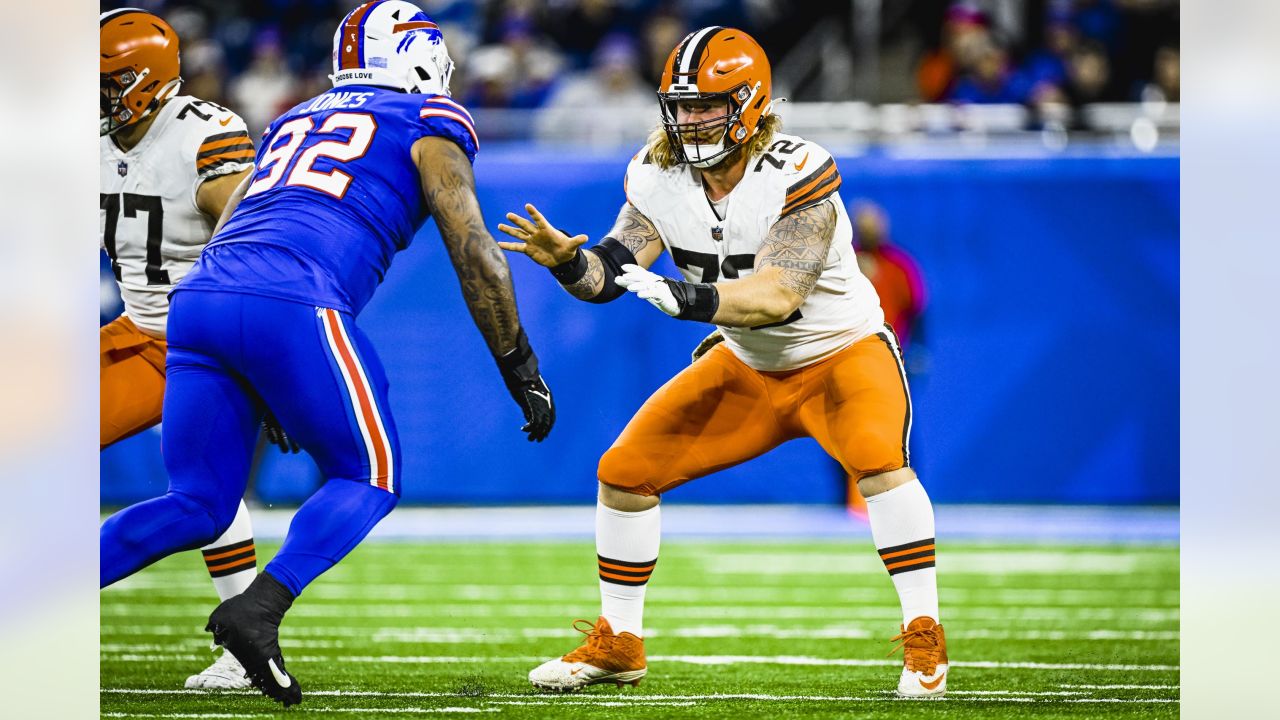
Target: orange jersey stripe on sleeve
[236,156]
[814,196]
[225,142]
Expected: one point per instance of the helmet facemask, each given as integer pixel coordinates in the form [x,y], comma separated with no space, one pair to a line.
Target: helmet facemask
[118,104]
[429,72]
[705,143]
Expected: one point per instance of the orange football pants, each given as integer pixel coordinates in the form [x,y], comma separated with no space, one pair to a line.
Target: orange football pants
[718,412]
[131,376]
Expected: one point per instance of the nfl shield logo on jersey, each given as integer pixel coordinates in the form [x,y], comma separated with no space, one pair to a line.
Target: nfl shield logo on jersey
[122,168]
[717,233]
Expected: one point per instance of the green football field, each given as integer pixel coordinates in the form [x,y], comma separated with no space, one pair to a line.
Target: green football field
[735,630]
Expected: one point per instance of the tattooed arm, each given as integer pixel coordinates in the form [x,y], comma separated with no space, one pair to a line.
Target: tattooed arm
[551,248]
[449,187]
[786,270]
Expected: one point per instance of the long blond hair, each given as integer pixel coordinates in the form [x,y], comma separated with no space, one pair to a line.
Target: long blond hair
[660,151]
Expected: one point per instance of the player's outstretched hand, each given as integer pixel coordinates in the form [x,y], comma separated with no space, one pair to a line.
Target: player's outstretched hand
[277,436]
[538,239]
[520,373]
[649,286]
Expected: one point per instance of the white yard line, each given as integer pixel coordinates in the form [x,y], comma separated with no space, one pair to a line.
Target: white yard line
[557,609]
[448,634]
[465,636]
[354,710]
[1125,686]
[404,590]
[606,695]
[617,700]
[992,563]
[817,523]
[183,715]
[688,659]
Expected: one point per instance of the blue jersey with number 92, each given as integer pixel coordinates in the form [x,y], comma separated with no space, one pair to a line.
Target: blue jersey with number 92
[334,196]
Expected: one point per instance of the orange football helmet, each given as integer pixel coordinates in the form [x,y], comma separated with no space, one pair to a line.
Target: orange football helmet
[715,64]
[139,68]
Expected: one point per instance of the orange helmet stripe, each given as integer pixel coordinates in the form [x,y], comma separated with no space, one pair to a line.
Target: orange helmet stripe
[415,25]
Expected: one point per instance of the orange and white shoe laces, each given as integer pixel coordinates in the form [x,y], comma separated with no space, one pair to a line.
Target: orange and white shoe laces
[604,657]
[925,663]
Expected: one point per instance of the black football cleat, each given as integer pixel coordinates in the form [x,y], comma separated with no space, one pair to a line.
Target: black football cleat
[248,626]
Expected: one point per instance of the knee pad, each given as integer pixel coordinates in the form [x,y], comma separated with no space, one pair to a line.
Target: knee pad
[625,469]
[868,453]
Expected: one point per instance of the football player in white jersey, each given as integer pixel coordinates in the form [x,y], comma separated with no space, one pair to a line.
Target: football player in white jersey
[169,163]
[753,219]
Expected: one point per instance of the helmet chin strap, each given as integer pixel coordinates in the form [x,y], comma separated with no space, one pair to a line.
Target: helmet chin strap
[717,151]
[711,152]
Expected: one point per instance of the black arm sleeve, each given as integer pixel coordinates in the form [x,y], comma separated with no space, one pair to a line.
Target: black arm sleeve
[613,255]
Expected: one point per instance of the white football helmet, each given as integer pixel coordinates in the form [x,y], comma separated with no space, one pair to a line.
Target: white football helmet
[393,44]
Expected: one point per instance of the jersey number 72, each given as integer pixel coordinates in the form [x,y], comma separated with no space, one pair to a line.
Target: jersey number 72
[282,153]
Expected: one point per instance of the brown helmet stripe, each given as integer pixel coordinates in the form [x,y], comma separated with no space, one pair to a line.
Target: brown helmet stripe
[106,17]
[352,43]
[691,50]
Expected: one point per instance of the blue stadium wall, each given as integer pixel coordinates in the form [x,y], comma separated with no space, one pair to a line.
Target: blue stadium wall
[1051,352]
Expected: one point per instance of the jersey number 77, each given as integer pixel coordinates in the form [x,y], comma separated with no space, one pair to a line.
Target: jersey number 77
[282,154]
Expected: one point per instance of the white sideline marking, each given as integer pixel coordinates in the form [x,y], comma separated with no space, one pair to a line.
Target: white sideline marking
[601,703]
[449,635]
[1123,687]
[457,636]
[555,609]
[182,715]
[689,659]
[1046,693]
[1062,635]
[964,562]
[365,711]
[1123,700]
[858,662]
[628,696]
[620,700]
[405,591]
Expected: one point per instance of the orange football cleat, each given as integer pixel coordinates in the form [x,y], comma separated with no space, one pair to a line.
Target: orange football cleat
[924,667]
[603,658]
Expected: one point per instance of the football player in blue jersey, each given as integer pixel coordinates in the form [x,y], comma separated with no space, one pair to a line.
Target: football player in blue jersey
[266,320]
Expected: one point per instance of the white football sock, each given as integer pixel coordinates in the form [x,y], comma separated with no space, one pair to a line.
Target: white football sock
[627,550]
[902,527]
[231,559]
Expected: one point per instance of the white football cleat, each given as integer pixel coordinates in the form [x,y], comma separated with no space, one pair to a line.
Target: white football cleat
[603,658]
[924,666]
[225,673]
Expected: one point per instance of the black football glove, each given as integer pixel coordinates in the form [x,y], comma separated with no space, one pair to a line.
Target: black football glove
[520,372]
[276,434]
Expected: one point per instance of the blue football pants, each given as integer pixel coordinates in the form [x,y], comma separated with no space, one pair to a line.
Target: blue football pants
[232,355]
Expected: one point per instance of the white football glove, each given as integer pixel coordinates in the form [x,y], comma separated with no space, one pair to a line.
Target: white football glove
[649,286]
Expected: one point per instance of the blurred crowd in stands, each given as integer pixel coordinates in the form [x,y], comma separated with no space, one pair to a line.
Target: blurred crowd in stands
[261,56]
